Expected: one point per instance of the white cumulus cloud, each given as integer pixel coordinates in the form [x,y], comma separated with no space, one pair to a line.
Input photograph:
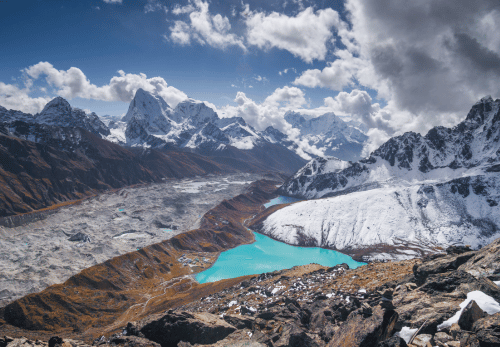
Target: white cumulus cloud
[14,98]
[305,35]
[113,1]
[268,113]
[339,74]
[73,83]
[203,27]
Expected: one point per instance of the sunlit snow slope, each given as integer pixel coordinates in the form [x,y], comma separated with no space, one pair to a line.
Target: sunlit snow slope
[413,194]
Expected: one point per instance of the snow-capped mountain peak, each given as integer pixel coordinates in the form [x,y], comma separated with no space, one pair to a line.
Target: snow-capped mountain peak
[196,112]
[54,111]
[413,194]
[322,165]
[329,134]
[147,104]
[58,112]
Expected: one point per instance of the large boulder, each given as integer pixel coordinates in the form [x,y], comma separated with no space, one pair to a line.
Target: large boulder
[471,313]
[170,329]
[361,331]
[487,330]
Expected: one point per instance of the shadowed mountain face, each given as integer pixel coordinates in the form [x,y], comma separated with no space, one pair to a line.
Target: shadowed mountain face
[78,164]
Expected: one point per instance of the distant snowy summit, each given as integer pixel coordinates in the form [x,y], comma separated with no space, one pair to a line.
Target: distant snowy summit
[151,122]
[58,113]
[471,147]
[329,132]
[413,194]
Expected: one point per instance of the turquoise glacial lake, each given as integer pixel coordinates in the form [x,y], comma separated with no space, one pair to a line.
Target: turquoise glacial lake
[280,200]
[267,255]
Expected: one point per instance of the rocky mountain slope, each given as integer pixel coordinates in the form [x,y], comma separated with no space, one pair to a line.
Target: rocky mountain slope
[413,194]
[71,163]
[445,300]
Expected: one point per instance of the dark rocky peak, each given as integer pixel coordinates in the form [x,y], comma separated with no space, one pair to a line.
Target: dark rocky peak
[212,131]
[95,123]
[400,148]
[277,135]
[8,116]
[224,122]
[479,111]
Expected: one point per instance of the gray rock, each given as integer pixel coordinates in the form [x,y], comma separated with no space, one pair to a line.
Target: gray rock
[174,327]
[421,340]
[360,331]
[79,237]
[487,330]
[394,341]
[471,313]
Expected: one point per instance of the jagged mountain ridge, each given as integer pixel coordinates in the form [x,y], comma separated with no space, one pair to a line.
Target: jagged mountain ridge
[413,194]
[151,122]
[195,127]
[472,145]
[329,133]
[192,124]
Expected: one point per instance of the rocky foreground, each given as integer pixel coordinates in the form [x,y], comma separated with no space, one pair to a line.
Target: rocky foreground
[407,303]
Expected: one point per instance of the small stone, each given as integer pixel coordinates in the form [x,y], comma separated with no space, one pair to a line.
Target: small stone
[394,341]
[55,340]
[442,337]
[469,340]
[367,310]
[422,340]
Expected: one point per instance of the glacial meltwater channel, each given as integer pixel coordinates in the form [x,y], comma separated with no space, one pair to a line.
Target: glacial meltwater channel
[266,255]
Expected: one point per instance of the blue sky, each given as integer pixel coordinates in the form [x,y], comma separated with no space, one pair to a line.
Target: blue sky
[101,38]
[393,65]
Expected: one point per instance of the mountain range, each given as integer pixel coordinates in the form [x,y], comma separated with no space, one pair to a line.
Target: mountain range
[192,125]
[413,195]
[150,129]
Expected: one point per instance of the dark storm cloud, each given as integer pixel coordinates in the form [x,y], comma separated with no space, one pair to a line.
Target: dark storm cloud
[479,56]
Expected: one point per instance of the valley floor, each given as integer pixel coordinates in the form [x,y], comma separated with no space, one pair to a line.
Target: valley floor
[39,254]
